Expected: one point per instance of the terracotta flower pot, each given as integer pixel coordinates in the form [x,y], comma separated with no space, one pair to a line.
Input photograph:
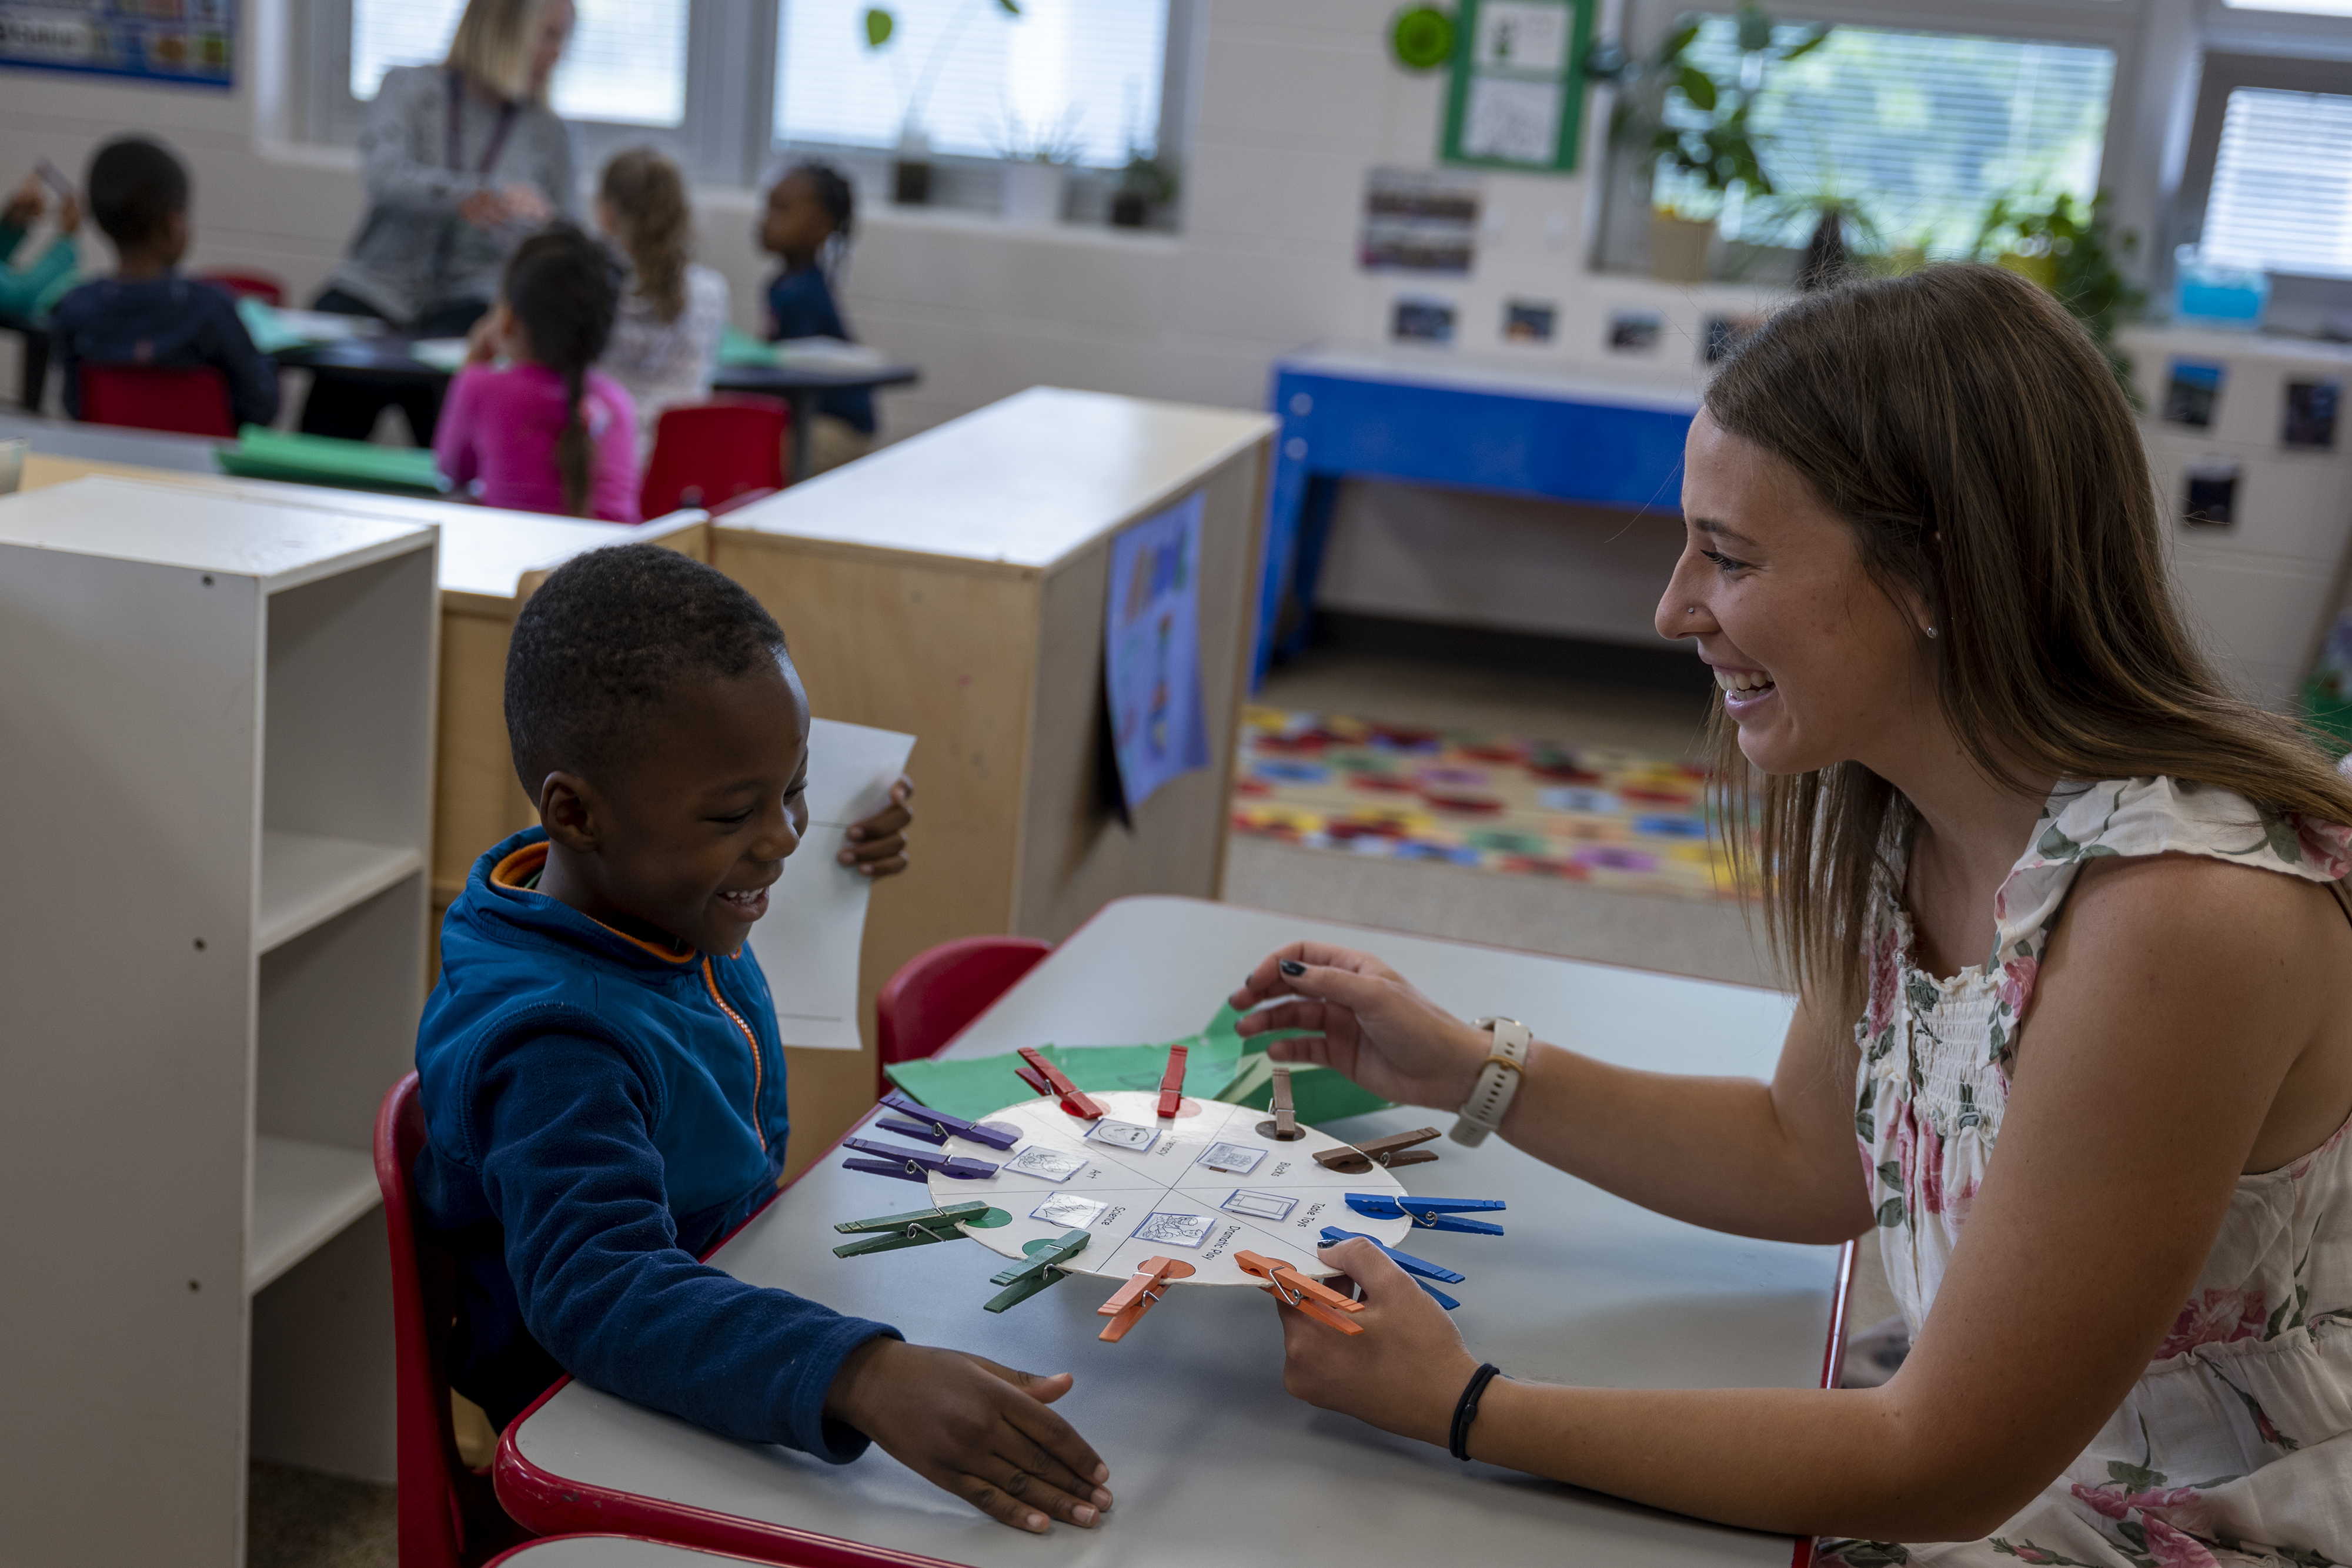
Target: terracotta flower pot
[1679,247]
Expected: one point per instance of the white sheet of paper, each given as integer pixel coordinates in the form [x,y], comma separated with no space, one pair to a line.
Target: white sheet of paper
[808,942]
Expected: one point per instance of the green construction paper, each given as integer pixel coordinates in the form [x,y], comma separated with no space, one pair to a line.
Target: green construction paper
[266,327]
[1318,1094]
[737,347]
[263,453]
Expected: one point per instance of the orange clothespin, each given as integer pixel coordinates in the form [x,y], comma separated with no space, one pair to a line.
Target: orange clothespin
[1313,1297]
[1172,1082]
[1074,1099]
[1131,1300]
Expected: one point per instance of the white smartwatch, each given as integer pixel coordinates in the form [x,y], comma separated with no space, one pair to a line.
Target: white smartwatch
[1498,1082]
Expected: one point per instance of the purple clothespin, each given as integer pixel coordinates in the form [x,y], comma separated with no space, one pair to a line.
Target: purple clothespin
[911,1164]
[919,1121]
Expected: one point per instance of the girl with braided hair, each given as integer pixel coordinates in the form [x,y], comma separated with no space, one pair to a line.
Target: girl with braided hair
[529,423]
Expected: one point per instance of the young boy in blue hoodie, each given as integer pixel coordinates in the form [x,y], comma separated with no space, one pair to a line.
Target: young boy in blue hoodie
[603,1079]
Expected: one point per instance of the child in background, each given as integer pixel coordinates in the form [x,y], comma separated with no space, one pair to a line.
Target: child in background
[601,1077]
[807,223]
[30,291]
[664,342]
[545,430]
[147,314]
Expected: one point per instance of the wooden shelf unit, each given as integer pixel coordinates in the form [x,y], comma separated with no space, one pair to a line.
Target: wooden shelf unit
[215,798]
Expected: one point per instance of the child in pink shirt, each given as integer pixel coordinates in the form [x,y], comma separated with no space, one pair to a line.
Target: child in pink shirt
[545,432]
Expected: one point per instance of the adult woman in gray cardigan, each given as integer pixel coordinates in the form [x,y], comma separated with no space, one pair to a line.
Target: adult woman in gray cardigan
[463,160]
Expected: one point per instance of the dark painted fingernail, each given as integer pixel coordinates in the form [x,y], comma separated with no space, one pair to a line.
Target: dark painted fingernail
[1293,968]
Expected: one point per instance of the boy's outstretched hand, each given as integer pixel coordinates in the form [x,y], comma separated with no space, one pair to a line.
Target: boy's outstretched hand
[878,846]
[974,1429]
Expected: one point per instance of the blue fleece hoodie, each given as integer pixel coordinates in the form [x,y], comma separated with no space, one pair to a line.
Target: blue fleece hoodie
[599,1112]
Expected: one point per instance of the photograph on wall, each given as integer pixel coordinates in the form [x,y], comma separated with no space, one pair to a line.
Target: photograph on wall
[1151,651]
[1635,331]
[193,42]
[1420,318]
[1419,220]
[1529,320]
[1725,333]
[2209,498]
[2311,416]
[2190,392]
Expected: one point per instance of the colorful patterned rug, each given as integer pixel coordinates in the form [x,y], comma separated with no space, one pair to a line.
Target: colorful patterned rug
[1593,814]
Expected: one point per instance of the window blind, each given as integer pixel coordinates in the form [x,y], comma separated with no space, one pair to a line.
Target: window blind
[1079,78]
[1921,129]
[626,64]
[2281,196]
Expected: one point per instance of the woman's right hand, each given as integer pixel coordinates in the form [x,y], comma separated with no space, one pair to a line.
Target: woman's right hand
[1365,1020]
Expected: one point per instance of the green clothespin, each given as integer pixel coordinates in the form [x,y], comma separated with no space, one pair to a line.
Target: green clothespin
[1023,1281]
[916,1227]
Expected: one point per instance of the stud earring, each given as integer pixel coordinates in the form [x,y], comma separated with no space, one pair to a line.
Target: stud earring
[1931,630]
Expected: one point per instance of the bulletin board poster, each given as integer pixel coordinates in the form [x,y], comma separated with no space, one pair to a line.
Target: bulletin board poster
[1517,94]
[190,42]
[1151,651]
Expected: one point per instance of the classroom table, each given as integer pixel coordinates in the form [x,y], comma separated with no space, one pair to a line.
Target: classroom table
[1210,1459]
[1426,418]
[607,1552]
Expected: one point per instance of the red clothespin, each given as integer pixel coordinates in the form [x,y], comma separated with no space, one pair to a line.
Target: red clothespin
[1074,1099]
[1131,1300]
[1316,1299]
[1172,1082]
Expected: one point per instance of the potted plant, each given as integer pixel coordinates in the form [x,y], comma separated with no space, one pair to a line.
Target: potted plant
[1036,167]
[910,165]
[1146,186]
[2065,245]
[1694,129]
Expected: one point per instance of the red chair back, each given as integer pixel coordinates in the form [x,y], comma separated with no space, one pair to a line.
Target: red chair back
[705,453]
[193,400]
[259,285]
[449,1518]
[936,993]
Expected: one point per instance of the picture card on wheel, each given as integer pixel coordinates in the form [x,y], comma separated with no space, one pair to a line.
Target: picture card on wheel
[1233,1159]
[1175,1229]
[1125,1136]
[1068,1210]
[1051,1164]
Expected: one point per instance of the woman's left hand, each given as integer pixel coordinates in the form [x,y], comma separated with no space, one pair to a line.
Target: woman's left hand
[1402,1374]
[878,846]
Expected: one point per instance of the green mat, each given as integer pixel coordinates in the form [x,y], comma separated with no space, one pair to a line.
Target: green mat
[262,453]
[268,330]
[737,347]
[1219,1065]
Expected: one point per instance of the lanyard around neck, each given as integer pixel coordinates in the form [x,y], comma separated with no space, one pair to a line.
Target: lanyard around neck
[456,139]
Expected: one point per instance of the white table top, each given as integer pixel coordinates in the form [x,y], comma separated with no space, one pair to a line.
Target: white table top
[281,543]
[1025,481]
[1209,1458]
[1596,384]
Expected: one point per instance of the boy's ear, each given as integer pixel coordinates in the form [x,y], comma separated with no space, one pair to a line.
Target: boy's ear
[567,810]
[176,234]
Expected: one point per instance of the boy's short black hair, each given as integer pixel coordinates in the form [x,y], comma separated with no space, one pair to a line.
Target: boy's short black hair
[135,186]
[605,639]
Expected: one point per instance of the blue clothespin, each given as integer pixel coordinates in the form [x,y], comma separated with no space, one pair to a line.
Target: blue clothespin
[937,1127]
[912,1164]
[1422,1270]
[1429,1213]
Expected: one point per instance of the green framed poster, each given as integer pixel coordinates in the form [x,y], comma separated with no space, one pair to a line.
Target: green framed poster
[1517,96]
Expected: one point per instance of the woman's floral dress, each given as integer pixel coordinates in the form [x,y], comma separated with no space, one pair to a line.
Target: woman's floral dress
[2236,1445]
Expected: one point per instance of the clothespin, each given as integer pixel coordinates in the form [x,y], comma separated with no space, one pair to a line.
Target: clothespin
[1074,1099]
[1286,1116]
[912,1164]
[1024,1280]
[918,1228]
[1422,1270]
[921,1120]
[1035,1078]
[1172,1082]
[1142,1291]
[1388,1153]
[1429,1213]
[1316,1299]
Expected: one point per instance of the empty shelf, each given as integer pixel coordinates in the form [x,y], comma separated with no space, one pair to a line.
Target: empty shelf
[308,879]
[303,1193]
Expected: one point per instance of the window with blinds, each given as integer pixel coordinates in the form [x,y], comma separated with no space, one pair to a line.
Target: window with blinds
[1922,130]
[626,64]
[2282,194]
[1077,80]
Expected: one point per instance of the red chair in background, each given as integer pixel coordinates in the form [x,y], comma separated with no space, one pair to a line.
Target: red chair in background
[705,453]
[936,992]
[259,285]
[193,400]
[449,1518]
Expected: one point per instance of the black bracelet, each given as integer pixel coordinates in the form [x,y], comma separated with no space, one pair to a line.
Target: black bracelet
[1466,1410]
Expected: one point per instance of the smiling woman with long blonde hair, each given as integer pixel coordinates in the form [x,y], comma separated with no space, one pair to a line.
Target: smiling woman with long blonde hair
[2068,930]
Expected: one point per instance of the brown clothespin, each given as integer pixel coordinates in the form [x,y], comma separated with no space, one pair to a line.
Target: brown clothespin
[1316,1299]
[1139,1294]
[1172,1082]
[1388,1153]
[1284,1125]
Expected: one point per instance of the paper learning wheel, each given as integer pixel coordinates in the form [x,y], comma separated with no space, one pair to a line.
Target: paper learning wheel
[1200,1187]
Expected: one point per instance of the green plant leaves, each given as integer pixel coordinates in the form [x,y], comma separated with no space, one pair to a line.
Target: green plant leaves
[879,25]
[1698,86]
[1009,7]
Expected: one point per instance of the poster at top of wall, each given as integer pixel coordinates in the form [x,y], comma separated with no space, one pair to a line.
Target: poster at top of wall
[1419,220]
[191,42]
[1151,651]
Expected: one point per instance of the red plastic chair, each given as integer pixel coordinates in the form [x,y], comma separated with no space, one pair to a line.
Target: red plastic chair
[707,452]
[449,1518]
[936,993]
[193,400]
[261,285]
